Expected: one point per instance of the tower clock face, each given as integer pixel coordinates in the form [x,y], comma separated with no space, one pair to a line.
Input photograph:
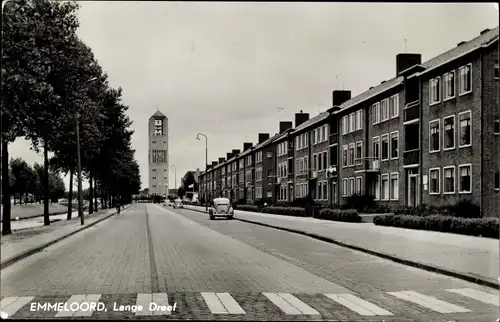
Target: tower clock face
[158,122]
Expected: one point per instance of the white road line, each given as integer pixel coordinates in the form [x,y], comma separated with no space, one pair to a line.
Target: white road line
[358,305]
[283,305]
[10,305]
[161,300]
[298,304]
[429,302]
[90,299]
[477,295]
[214,304]
[230,303]
[72,300]
[144,299]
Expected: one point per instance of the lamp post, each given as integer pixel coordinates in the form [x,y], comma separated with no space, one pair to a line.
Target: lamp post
[175,176]
[206,157]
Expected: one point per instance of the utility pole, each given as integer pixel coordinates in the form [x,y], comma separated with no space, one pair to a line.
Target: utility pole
[79,169]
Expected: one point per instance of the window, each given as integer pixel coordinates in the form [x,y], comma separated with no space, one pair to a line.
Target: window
[344,188]
[306,139]
[359,152]
[385,187]
[465,132]
[316,136]
[344,156]
[376,147]
[351,186]
[269,154]
[325,160]
[394,106]
[394,186]
[434,136]
[258,174]
[351,154]
[449,85]
[376,186]
[394,145]
[496,127]
[496,71]
[154,170]
[306,164]
[345,125]
[384,110]
[465,178]
[352,125]
[359,124]
[465,79]
[258,156]
[434,91]
[327,130]
[319,191]
[315,161]
[325,190]
[434,175]
[497,180]
[376,113]
[358,185]
[297,143]
[320,162]
[449,180]
[385,147]
[333,155]
[449,132]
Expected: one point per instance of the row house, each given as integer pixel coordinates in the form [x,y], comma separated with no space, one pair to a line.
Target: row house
[284,163]
[264,168]
[245,178]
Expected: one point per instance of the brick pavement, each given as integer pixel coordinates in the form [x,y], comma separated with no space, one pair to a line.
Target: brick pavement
[469,255]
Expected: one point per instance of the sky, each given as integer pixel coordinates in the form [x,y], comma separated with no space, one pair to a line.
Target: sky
[233,70]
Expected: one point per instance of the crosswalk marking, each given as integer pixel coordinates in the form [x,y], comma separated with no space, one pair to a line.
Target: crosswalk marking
[477,295]
[89,299]
[429,302]
[161,300]
[145,299]
[214,304]
[72,300]
[358,305]
[289,304]
[221,303]
[230,303]
[301,306]
[10,305]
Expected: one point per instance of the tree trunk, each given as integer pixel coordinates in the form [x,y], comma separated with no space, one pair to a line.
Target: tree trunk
[45,184]
[103,198]
[70,194]
[96,192]
[5,189]
[91,195]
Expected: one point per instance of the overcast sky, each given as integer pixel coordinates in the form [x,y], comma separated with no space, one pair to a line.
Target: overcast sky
[225,69]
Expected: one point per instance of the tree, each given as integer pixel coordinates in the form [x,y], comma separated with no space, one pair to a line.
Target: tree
[188,181]
[22,178]
[181,192]
[56,186]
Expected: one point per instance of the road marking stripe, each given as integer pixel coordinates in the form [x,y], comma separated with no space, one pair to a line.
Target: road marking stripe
[298,304]
[365,304]
[350,305]
[161,300]
[214,304]
[10,305]
[283,305]
[477,295]
[230,303]
[429,302]
[67,305]
[90,299]
[143,299]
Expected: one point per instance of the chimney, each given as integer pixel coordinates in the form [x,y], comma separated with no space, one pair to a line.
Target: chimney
[301,118]
[406,60]
[263,137]
[461,43]
[214,163]
[484,31]
[247,145]
[285,126]
[339,97]
[221,160]
[229,156]
[235,152]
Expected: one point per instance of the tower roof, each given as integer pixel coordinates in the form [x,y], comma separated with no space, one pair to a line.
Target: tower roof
[159,114]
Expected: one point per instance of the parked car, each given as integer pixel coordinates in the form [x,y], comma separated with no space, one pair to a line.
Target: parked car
[178,203]
[221,207]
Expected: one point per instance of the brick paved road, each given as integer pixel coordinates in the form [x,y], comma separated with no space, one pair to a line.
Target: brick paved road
[228,270]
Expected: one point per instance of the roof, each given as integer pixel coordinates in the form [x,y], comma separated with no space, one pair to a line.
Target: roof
[247,151]
[159,114]
[318,118]
[278,137]
[266,142]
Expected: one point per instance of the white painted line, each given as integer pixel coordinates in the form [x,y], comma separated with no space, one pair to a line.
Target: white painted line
[143,299]
[283,305]
[90,299]
[298,304]
[10,305]
[350,305]
[72,300]
[429,302]
[230,303]
[365,304]
[478,295]
[214,304]
[161,302]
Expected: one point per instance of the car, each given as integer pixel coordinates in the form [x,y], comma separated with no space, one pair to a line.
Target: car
[178,203]
[221,207]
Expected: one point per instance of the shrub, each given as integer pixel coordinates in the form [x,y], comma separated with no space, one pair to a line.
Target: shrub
[287,211]
[465,208]
[359,202]
[302,202]
[350,215]
[253,208]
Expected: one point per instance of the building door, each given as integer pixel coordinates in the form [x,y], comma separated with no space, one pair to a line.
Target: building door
[333,192]
[413,199]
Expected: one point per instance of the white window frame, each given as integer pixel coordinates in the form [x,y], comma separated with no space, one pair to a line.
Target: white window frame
[345,125]
[432,83]
[352,186]
[352,122]
[430,136]
[460,85]
[454,180]
[376,113]
[390,146]
[376,139]
[345,191]
[387,113]
[385,198]
[359,120]
[460,129]
[306,164]
[297,143]
[327,132]
[325,190]
[358,161]
[395,101]
[353,146]
[496,123]
[396,195]
[306,138]
[346,149]
[454,132]
[467,165]
[359,181]
[447,82]
[438,183]
[382,147]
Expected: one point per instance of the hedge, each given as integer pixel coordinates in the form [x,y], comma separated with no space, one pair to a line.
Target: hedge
[287,211]
[253,208]
[350,215]
[484,227]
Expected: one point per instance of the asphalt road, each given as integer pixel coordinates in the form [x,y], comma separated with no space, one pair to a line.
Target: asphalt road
[230,270]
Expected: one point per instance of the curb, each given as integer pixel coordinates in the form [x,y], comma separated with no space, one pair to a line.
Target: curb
[37,249]
[463,276]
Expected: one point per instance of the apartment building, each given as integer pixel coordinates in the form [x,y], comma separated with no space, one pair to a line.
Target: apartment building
[246,173]
[282,145]
[301,156]
[264,167]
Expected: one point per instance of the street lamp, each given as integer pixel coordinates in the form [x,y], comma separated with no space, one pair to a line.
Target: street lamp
[175,176]
[206,156]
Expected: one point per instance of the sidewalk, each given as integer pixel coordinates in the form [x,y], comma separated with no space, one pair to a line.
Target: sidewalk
[475,259]
[25,242]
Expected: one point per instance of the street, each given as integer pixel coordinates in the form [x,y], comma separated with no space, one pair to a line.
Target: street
[207,269]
